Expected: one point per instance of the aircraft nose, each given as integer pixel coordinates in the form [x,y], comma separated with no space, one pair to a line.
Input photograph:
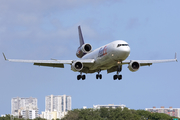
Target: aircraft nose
[121,53]
[126,50]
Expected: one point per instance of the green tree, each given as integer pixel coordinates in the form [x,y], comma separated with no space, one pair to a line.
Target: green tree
[143,114]
[107,114]
[115,114]
[104,113]
[72,115]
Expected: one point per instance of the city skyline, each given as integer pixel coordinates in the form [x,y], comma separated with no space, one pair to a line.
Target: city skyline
[57,106]
[44,29]
[25,107]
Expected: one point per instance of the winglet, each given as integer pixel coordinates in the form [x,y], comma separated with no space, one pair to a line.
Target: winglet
[176,57]
[4,56]
[81,40]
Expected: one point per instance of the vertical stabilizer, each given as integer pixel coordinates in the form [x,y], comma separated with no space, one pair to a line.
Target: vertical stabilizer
[83,49]
[81,40]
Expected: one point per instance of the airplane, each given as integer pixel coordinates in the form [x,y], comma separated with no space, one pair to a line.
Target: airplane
[109,57]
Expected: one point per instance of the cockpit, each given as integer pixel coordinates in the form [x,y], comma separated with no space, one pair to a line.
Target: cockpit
[122,45]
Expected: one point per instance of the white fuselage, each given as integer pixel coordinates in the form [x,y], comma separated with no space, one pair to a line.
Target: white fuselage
[108,55]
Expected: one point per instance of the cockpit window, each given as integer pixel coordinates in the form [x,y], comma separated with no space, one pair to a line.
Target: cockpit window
[122,45]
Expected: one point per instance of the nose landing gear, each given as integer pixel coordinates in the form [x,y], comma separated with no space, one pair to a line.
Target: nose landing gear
[99,75]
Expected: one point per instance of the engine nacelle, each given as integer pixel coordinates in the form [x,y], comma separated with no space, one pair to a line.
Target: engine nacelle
[77,66]
[134,66]
[84,49]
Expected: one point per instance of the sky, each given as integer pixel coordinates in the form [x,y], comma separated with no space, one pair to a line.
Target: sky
[44,29]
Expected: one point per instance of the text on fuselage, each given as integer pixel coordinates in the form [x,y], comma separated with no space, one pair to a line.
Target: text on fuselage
[102,51]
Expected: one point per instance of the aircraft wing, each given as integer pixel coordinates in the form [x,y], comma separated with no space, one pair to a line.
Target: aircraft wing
[150,62]
[50,63]
[142,63]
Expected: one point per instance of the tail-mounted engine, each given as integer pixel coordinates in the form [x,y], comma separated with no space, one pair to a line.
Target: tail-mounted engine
[84,49]
[134,66]
[77,66]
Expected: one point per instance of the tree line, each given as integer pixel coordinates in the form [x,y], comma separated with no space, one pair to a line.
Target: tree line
[115,114]
[107,114]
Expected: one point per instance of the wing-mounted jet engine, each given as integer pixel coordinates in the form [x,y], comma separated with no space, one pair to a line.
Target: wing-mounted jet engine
[77,66]
[134,66]
[84,48]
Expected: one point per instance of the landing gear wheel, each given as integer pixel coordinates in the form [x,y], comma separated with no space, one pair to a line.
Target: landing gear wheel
[78,77]
[115,77]
[100,76]
[119,77]
[83,77]
[97,76]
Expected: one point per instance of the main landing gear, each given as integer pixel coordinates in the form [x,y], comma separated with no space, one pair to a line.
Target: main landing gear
[117,76]
[99,75]
[83,77]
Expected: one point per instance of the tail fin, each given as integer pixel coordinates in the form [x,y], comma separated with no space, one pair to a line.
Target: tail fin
[81,40]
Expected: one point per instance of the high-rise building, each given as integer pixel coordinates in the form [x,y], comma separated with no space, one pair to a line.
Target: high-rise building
[56,106]
[24,106]
[170,111]
[29,114]
[61,103]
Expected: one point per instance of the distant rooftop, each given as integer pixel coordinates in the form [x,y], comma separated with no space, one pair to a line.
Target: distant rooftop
[109,106]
